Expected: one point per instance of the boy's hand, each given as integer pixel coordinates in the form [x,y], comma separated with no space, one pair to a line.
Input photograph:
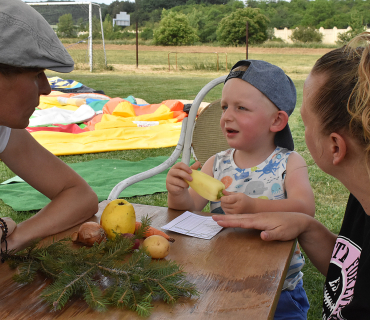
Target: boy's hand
[175,181]
[236,203]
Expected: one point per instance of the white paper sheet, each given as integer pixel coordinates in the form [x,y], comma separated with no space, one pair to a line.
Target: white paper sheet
[194,225]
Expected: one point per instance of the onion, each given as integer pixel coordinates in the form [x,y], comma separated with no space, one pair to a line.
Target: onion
[136,242]
[89,233]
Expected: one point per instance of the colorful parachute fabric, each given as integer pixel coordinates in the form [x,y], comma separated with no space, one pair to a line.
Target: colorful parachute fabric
[76,123]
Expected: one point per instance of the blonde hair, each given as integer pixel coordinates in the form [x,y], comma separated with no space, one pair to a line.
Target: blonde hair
[343,101]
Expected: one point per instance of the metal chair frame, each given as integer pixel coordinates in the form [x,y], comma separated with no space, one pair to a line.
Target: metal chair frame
[183,145]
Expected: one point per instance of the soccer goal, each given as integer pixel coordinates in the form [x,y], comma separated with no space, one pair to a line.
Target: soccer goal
[79,25]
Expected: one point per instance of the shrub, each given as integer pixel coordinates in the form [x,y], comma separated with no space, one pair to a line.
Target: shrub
[232,29]
[146,34]
[306,34]
[65,26]
[174,29]
[356,27]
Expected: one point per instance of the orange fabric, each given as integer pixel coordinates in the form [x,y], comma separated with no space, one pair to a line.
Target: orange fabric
[111,105]
[173,105]
[90,125]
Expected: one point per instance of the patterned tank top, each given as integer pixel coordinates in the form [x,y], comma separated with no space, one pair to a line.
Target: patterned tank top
[264,181]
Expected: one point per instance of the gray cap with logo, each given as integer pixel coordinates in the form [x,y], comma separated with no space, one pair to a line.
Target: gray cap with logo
[27,40]
[275,85]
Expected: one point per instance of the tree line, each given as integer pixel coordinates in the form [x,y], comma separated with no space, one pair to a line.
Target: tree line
[176,22]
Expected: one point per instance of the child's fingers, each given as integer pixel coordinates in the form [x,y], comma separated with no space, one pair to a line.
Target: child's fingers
[196,165]
[181,166]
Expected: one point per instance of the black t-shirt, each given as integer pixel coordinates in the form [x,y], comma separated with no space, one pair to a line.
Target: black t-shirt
[346,292]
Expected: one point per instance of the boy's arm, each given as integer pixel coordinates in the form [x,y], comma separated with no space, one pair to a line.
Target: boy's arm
[180,196]
[300,196]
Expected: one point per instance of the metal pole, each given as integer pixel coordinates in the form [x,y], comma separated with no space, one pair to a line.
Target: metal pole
[226,61]
[137,47]
[102,34]
[169,61]
[90,37]
[246,40]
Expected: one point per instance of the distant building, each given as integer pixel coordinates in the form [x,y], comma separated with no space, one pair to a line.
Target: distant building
[122,19]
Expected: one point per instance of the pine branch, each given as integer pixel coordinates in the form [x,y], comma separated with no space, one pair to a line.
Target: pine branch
[130,279]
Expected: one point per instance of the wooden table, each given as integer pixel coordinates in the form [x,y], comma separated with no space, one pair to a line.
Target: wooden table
[239,276]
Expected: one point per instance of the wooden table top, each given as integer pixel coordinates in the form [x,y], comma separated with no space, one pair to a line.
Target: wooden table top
[238,275]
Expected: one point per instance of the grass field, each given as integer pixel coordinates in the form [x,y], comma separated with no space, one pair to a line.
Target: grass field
[153,85]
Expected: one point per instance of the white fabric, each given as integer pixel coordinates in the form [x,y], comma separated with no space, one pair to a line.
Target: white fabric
[4,137]
[57,115]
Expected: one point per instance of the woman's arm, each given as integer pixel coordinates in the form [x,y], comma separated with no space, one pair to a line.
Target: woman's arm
[10,224]
[316,240]
[72,199]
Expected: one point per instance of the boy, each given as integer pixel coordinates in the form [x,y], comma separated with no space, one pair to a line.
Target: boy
[260,165]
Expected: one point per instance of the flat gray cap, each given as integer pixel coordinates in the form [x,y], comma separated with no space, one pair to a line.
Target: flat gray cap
[27,40]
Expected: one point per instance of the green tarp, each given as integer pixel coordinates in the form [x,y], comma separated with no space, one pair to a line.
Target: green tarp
[102,175]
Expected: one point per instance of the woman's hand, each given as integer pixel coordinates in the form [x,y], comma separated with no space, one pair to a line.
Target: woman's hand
[281,226]
[317,241]
[237,203]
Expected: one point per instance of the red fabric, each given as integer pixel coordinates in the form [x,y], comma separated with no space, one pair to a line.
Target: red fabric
[69,128]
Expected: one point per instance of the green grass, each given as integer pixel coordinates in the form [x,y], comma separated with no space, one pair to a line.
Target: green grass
[330,195]
[190,60]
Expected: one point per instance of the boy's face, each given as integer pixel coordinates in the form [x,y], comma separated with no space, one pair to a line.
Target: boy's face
[247,116]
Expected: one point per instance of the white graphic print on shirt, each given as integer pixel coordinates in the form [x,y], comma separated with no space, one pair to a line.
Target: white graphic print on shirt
[338,291]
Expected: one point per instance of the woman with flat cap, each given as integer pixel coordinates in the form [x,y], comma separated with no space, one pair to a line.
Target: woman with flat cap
[28,46]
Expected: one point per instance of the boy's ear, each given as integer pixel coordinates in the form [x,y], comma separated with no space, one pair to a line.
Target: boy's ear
[280,121]
[338,148]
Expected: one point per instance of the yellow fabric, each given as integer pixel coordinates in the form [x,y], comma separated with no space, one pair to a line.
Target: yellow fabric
[59,143]
[124,109]
[47,102]
[163,114]
[118,122]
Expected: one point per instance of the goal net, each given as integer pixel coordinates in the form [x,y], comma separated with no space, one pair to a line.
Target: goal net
[80,28]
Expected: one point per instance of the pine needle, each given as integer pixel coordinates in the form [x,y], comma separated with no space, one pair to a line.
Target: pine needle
[109,273]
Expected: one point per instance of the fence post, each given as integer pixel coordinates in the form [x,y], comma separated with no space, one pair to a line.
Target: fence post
[246,40]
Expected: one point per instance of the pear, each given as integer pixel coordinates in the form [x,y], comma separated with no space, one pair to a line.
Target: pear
[118,216]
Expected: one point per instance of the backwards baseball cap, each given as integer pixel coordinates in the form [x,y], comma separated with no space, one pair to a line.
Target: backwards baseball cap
[27,40]
[275,85]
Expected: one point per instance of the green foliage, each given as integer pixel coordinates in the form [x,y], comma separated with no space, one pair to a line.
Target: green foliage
[131,284]
[357,26]
[306,34]
[146,34]
[117,6]
[205,18]
[110,32]
[318,13]
[174,29]
[232,29]
[65,27]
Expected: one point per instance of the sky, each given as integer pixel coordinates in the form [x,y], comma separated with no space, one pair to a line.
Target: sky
[97,1]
